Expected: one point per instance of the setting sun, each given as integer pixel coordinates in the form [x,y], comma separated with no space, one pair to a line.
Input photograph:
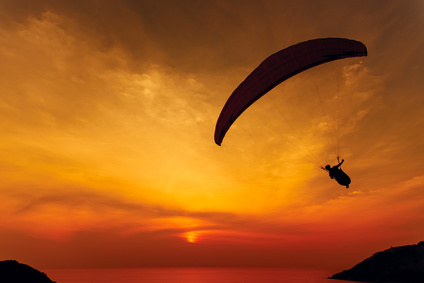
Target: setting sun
[191,237]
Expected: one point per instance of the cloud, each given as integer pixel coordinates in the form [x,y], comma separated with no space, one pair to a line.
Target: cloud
[108,111]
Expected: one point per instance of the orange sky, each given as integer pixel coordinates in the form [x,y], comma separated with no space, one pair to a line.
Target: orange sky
[108,110]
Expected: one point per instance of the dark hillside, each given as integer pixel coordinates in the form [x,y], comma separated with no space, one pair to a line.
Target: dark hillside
[12,271]
[400,264]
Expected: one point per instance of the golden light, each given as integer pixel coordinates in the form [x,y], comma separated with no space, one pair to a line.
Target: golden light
[191,237]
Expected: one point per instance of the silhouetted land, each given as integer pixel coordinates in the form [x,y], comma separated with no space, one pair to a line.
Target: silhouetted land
[12,271]
[400,264]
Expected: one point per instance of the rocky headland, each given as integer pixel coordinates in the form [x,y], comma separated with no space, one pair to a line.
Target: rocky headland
[12,271]
[403,264]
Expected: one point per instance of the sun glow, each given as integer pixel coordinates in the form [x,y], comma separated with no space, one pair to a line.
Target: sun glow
[191,237]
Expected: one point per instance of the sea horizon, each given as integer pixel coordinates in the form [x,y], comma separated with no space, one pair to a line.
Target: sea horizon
[191,275]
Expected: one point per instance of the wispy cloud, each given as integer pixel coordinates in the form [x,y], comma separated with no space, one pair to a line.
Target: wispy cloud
[107,118]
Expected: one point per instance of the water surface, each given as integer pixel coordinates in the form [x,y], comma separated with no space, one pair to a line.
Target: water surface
[191,275]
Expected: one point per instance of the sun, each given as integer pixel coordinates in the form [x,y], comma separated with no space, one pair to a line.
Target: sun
[191,237]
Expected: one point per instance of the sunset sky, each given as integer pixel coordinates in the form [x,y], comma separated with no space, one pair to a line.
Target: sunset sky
[107,118]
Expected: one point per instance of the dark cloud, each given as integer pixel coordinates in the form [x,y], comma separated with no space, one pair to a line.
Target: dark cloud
[180,33]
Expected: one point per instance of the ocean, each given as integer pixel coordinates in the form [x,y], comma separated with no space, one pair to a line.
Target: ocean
[190,275]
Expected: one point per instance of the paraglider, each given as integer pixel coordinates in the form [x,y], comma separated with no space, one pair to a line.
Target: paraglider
[279,67]
[337,173]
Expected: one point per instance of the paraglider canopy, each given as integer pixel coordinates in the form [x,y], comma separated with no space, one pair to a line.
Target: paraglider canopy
[278,68]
